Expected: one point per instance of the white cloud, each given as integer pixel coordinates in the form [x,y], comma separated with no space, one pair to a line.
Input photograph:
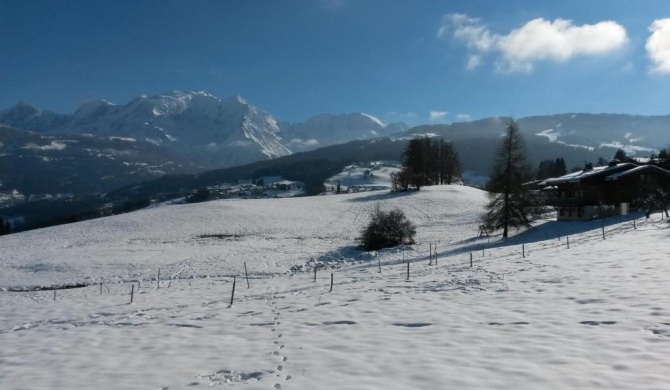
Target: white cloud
[437,115]
[658,46]
[537,40]
[463,117]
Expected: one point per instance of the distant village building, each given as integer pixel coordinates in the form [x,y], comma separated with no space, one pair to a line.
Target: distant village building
[287,185]
[598,191]
[268,181]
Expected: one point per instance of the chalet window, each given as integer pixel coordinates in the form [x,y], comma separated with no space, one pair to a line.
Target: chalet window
[562,212]
[580,212]
[570,212]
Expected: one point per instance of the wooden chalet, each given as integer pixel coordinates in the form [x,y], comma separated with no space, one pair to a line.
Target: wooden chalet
[598,191]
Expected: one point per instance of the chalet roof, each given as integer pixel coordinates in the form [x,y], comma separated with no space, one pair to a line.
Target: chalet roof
[576,177]
[637,170]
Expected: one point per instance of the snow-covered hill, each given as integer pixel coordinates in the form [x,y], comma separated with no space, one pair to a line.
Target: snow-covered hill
[591,316]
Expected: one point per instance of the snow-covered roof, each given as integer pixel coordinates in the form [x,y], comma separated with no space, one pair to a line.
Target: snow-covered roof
[578,176]
[639,169]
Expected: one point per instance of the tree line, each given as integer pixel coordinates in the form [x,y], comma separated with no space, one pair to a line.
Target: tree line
[427,161]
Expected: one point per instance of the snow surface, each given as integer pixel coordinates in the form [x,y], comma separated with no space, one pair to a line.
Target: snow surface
[594,316]
[354,176]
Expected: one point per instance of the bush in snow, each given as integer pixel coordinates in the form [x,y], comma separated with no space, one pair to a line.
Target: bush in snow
[387,229]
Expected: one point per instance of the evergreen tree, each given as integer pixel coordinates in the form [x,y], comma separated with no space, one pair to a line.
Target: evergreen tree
[620,155]
[428,161]
[5,227]
[511,203]
[559,168]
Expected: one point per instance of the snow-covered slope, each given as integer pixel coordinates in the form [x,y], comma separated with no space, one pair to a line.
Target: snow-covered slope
[328,129]
[594,316]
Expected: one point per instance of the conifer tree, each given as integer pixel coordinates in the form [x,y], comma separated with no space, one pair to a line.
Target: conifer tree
[511,203]
[428,161]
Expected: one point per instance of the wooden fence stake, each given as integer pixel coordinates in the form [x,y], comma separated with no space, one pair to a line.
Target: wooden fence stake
[568,238]
[482,252]
[408,270]
[435,254]
[54,295]
[100,288]
[246,274]
[132,292]
[634,227]
[331,282]
[379,263]
[523,250]
[603,229]
[315,267]
[158,281]
[232,295]
[430,255]
[470,259]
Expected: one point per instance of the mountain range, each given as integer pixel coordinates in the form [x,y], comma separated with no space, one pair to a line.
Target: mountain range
[102,146]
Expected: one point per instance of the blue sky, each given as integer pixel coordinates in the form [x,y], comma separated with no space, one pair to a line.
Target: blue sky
[416,61]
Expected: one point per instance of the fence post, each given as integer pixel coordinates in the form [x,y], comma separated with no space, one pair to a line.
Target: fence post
[315,267]
[246,274]
[430,254]
[54,295]
[435,254]
[158,281]
[232,295]
[603,229]
[523,250]
[634,226]
[470,259]
[379,263]
[100,288]
[407,269]
[331,282]
[568,238]
[132,292]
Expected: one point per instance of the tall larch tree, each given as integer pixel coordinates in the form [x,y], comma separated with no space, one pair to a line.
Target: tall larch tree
[511,203]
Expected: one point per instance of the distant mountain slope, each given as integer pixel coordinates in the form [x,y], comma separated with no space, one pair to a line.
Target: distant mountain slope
[636,134]
[601,133]
[41,165]
[328,129]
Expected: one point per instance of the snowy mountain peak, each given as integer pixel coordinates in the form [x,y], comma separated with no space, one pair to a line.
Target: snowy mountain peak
[374,119]
[219,133]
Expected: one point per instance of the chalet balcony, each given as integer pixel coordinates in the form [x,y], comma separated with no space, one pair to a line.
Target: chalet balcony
[571,202]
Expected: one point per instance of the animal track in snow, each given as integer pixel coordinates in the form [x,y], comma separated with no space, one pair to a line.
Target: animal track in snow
[596,323]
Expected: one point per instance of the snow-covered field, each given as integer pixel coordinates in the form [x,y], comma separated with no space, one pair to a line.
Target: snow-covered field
[361,178]
[594,316]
